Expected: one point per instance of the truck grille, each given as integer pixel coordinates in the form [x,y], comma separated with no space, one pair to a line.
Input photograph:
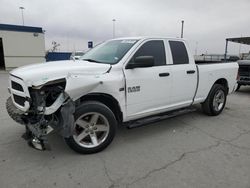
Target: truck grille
[19,100]
[19,93]
[16,86]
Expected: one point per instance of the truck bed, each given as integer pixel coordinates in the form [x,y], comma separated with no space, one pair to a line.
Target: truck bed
[212,62]
[209,74]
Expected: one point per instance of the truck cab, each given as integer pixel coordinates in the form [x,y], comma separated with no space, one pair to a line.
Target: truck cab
[169,83]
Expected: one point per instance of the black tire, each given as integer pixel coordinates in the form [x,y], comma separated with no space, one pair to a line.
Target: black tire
[208,107]
[94,107]
[13,112]
[238,87]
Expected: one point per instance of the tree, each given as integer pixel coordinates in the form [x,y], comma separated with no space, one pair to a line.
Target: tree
[55,46]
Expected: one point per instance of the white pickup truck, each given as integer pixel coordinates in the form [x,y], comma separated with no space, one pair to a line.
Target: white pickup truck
[125,81]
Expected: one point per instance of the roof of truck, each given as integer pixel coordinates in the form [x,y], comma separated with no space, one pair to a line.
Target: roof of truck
[148,37]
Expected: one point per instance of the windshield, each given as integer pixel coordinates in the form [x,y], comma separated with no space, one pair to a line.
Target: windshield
[109,52]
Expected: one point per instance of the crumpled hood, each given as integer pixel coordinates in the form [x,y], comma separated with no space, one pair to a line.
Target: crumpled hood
[38,74]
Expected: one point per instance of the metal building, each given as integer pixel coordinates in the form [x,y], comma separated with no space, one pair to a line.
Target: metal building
[21,45]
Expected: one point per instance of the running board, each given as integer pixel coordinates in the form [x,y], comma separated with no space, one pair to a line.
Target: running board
[156,118]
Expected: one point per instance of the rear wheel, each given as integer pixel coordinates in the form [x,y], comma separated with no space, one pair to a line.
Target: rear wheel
[94,128]
[216,100]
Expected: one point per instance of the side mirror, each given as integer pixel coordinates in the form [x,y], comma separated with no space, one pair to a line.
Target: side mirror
[141,61]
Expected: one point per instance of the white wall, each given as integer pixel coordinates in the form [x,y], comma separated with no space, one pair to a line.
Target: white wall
[22,48]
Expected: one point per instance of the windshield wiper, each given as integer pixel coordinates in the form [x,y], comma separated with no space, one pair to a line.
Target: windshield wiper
[91,60]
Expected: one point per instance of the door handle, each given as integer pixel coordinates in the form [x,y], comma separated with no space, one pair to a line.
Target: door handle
[164,74]
[190,71]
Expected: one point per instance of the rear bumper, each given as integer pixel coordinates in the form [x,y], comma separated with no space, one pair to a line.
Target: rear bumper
[244,81]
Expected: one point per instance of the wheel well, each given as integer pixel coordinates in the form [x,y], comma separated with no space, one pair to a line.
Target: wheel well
[106,99]
[223,82]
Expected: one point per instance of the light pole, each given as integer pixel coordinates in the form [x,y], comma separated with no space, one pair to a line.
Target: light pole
[114,28]
[22,8]
[182,27]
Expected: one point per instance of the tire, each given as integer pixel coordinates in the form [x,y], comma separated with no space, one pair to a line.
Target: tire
[238,87]
[13,112]
[94,128]
[214,104]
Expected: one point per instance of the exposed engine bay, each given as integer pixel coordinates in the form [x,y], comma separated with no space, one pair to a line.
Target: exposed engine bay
[50,109]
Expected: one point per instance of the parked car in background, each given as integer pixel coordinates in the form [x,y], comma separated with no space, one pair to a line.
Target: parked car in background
[76,55]
[244,72]
[57,56]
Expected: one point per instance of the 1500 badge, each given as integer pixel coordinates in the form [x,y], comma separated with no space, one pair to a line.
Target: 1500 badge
[134,89]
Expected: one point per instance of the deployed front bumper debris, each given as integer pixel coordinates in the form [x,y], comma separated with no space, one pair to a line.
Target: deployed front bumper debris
[38,126]
[39,143]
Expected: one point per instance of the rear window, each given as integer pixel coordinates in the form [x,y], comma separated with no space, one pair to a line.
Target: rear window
[179,52]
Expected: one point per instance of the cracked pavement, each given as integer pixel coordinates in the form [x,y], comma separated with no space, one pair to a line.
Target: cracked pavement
[192,150]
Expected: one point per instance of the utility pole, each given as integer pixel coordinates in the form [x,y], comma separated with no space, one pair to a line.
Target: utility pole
[22,8]
[114,28]
[240,47]
[225,55]
[182,27]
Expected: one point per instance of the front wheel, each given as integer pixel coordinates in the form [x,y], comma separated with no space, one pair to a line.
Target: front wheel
[216,100]
[94,128]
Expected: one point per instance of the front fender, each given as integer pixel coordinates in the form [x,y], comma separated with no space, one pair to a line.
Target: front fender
[78,85]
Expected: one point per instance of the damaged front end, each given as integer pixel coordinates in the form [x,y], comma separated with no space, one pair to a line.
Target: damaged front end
[50,108]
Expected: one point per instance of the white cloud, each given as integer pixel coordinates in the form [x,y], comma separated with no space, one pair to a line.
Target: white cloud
[73,23]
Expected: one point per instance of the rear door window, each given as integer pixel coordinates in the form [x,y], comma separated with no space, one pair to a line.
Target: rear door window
[179,52]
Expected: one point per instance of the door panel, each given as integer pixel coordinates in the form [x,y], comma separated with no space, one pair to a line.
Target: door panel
[184,84]
[148,89]
[154,90]
[184,75]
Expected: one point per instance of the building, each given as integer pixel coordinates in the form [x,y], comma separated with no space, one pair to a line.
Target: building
[21,45]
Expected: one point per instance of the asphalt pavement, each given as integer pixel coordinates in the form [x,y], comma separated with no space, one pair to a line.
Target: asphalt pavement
[192,150]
